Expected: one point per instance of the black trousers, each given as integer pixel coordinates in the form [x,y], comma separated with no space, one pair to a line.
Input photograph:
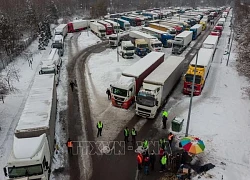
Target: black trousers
[99,133]
[164,124]
[139,166]
[126,139]
[70,150]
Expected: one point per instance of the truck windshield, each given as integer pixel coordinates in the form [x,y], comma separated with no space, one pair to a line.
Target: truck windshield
[142,45]
[120,92]
[189,78]
[145,100]
[112,38]
[102,31]
[177,45]
[127,25]
[25,171]
[129,48]
[157,45]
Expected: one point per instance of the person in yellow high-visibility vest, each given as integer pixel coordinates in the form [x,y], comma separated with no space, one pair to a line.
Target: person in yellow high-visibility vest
[99,128]
[163,162]
[164,119]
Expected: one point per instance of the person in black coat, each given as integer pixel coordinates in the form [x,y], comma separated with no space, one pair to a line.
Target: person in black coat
[152,159]
[108,93]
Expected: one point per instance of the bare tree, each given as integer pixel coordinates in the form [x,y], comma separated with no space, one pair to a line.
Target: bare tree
[10,75]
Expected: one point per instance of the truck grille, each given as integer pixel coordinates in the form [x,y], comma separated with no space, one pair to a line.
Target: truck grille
[119,99]
[144,110]
[129,54]
[143,114]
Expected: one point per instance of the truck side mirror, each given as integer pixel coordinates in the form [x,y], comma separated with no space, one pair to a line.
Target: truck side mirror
[5,171]
[156,103]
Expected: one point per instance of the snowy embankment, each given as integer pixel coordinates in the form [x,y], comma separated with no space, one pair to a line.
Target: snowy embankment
[74,44]
[103,69]
[220,116]
[14,102]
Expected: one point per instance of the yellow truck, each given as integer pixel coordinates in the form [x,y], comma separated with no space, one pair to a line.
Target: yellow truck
[203,22]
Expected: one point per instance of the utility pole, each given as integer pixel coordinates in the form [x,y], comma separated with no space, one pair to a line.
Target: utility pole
[231,24]
[117,32]
[192,94]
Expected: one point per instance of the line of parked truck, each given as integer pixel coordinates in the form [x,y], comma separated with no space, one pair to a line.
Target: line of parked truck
[149,81]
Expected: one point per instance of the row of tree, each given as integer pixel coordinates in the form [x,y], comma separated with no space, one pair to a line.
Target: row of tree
[241,27]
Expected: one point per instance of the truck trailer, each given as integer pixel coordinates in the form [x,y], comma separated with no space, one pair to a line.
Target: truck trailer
[210,42]
[161,35]
[153,43]
[33,145]
[181,42]
[157,86]
[205,58]
[124,90]
[77,25]
[62,29]
[196,31]
[124,25]
[108,27]
[97,29]
[161,27]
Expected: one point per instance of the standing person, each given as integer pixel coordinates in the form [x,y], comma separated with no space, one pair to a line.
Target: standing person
[162,143]
[70,146]
[145,145]
[139,161]
[108,93]
[163,162]
[177,161]
[170,139]
[146,165]
[99,128]
[126,135]
[164,119]
[152,159]
[72,84]
[133,134]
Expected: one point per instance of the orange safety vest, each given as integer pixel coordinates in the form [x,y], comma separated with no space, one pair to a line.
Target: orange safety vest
[139,159]
[70,144]
[170,137]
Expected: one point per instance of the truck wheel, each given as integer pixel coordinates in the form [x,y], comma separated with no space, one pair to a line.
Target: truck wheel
[123,55]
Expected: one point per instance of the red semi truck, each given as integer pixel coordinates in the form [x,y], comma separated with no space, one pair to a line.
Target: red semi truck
[108,27]
[77,25]
[124,90]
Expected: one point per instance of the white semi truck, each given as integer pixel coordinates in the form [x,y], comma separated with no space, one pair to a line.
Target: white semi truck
[98,29]
[58,42]
[51,64]
[127,49]
[123,36]
[153,42]
[181,42]
[33,145]
[157,86]
[62,30]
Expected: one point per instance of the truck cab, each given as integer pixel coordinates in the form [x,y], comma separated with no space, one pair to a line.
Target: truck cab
[58,42]
[147,100]
[199,80]
[155,45]
[177,46]
[141,47]
[52,64]
[30,157]
[127,49]
[123,92]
